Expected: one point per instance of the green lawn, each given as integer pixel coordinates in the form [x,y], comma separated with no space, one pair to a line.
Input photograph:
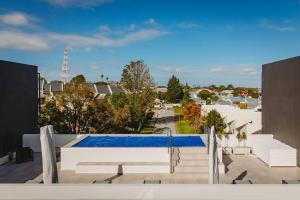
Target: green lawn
[182,127]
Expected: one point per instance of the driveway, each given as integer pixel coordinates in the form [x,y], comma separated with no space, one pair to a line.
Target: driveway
[165,118]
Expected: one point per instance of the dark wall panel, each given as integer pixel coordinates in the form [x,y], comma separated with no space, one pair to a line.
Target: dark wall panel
[281,101]
[18,104]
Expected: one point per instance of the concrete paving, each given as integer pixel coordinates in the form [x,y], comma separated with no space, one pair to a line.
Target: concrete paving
[238,167]
[249,167]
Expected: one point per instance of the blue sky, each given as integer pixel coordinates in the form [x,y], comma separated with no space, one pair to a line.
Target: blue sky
[201,42]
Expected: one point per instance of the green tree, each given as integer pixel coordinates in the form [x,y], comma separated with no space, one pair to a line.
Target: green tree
[205,94]
[175,91]
[221,88]
[161,95]
[76,111]
[79,79]
[215,119]
[186,99]
[100,116]
[75,102]
[136,111]
[119,100]
[230,87]
[50,114]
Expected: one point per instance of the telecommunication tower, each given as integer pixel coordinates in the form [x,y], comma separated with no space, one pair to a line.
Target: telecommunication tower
[65,68]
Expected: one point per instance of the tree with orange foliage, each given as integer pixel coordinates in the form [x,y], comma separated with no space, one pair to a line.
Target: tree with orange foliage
[192,114]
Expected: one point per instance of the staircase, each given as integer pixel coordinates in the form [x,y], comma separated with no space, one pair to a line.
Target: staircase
[191,160]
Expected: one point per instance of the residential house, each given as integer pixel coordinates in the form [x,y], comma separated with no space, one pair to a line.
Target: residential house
[101,90]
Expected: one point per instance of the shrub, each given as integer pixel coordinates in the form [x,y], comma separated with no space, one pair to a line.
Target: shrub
[242,105]
[192,114]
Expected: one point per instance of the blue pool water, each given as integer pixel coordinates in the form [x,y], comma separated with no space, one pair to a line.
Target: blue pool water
[140,141]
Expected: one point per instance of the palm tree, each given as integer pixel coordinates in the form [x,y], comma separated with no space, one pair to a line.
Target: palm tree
[239,137]
[244,138]
[102,76]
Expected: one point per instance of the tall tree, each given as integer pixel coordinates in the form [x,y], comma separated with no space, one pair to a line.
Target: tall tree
[175,91]
[136,79]
[79,79]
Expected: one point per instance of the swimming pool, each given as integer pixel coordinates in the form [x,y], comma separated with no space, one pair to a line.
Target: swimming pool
[100,153]
[140,141]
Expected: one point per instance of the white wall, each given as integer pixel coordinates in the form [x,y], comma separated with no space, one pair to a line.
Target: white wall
[71,156]
[33,140]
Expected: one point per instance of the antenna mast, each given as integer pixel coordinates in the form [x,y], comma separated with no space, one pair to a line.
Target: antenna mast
[65,68]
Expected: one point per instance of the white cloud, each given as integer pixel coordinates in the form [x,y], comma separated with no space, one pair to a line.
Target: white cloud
[78,3]
[248,71]
[88,49]
[15,19]
[94,66]
[236,69]
[82,41]
[217,69]
[177,69]
[40,41]
[131,27]
[283,27]
[189,25]
[151,21]
[104,29]
[22,41]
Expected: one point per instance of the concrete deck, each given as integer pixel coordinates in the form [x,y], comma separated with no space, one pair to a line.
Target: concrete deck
[249,167]
[238,167]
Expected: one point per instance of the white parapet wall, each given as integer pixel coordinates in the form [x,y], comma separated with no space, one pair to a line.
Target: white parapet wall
[265,147]
[275,153]
[33,140]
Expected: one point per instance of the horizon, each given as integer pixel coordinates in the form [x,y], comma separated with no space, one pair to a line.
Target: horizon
[202,43]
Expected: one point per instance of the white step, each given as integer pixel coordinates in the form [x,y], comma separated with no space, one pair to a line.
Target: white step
[191,169]
[191,156]
[191,162]
[114,168]
[202,150]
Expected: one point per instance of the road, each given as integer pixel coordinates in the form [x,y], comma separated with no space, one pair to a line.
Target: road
[165,118]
